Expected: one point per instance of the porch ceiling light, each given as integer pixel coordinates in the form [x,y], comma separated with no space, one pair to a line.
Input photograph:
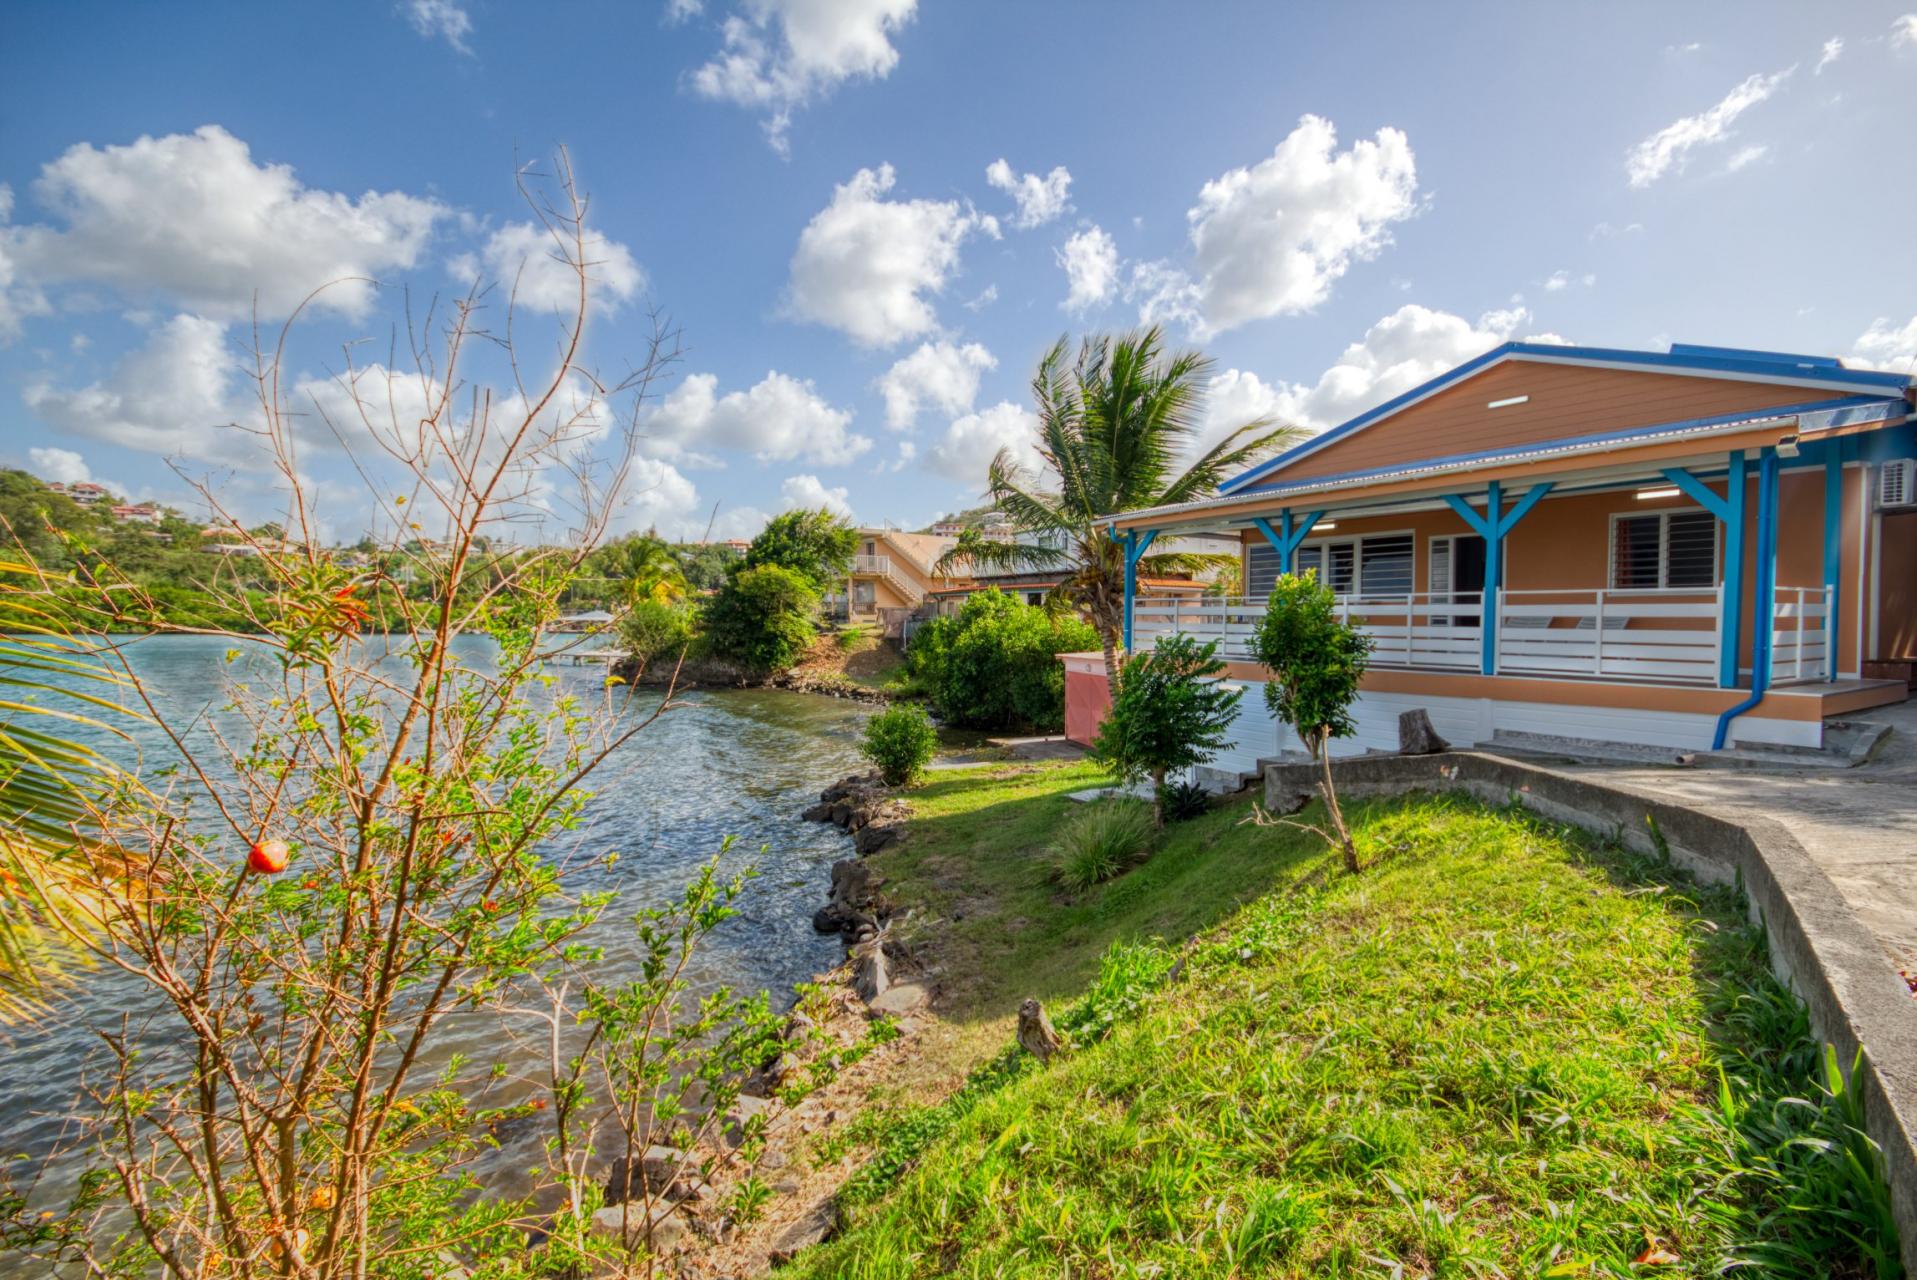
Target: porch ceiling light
[1661,491]
[1324,524]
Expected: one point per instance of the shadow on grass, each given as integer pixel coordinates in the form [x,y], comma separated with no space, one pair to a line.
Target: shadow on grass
[978,863]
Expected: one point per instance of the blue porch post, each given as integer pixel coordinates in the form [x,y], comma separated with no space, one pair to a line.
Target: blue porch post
[1492,526]
[1730,510]
[1833,548]
[1764,606]
[1288,536]
[1134,552]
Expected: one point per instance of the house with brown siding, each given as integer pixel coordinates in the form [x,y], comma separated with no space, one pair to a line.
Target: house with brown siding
[1677,549]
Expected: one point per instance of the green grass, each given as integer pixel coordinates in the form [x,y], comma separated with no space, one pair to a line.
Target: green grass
[1502,1050]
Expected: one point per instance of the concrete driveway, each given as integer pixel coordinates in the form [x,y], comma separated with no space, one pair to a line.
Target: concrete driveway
[1860,824]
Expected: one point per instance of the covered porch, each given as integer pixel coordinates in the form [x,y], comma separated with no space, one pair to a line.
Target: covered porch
[1710,582]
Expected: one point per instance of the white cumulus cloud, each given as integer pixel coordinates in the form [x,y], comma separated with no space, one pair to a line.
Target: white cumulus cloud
[778,419]
[1038,199]
[172,396]
[1668,150]
[1090,262]
[441,20]
[811,492]
[190,218]
[1272,238]
[1886,345]
[972,441]
[939,375]
[1903,31]
[779,55]
[865,264]
[62,466]
[1832,51]
[532,267]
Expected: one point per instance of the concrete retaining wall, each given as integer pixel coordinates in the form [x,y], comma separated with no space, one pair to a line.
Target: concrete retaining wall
[1818,946]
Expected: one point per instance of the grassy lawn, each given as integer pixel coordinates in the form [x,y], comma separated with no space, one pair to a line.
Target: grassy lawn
[1502,1050]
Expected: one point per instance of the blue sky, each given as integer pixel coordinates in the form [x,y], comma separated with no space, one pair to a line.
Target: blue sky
[1335,202]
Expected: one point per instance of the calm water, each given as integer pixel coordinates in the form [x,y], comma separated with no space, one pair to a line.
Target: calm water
[739,763]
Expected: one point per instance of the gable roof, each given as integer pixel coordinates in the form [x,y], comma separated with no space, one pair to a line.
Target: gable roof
[1683,359]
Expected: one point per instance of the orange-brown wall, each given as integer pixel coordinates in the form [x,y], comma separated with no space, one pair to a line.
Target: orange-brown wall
[1565,402]
[1897,625]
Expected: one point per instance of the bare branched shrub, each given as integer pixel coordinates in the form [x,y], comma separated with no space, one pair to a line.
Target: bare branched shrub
[355,846]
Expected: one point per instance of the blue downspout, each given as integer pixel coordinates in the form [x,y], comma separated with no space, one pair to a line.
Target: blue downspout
[1493,578]
[1764,602]
[1733,617]
[1833,549]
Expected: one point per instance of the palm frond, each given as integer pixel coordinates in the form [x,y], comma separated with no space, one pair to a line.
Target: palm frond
[50,785]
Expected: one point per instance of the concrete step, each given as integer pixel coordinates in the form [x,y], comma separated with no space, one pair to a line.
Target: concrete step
[1846,744]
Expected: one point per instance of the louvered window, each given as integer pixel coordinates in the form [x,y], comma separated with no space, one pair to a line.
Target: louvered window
[1664,549]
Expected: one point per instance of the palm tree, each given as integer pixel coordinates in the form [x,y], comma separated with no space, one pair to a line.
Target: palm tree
[49,784]
[645,566]
[1113,427]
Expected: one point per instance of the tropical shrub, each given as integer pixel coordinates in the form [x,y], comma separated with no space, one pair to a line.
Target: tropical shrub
[763,618]
[995,664]
[1172,712]
[900,741]
[814,544]
[1316,660]
[1182,800]
[1103,839]
[653,629]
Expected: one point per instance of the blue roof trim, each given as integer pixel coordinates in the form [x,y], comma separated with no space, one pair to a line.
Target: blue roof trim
[1681,356]
[1742,353]
[1844,411]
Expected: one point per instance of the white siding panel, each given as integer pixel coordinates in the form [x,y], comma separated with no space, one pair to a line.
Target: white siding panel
[1470,721]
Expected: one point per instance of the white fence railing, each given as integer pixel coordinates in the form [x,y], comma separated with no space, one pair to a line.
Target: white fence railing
[872,564]
[1800,636]
[1666,635]
[1659,637]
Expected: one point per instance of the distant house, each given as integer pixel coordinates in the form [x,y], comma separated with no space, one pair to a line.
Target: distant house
[86,493]
[892,573]
[1675,549]
[140,513]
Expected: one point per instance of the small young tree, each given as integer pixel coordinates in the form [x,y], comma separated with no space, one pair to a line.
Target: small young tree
[1316,659]
[1171,712]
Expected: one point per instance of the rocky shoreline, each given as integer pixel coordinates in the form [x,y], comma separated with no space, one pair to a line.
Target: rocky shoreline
[856,907]
[714,673]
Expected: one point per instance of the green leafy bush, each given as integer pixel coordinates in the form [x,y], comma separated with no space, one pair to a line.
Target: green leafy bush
[1182,800]
[994,665]
[651,629]
[900,741]
[763,618]
[1172,712]
[815,544]
[1103,839]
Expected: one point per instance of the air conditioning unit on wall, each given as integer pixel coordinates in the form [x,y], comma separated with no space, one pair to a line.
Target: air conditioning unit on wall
[1897,483]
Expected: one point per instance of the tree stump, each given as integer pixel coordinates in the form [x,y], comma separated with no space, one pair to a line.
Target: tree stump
[1035,1033]
[1416,737]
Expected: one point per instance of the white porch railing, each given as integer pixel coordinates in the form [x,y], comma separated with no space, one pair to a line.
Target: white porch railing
[1650,637]
[1663,635]
[872,564]
[1800,636]
[1417,629]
